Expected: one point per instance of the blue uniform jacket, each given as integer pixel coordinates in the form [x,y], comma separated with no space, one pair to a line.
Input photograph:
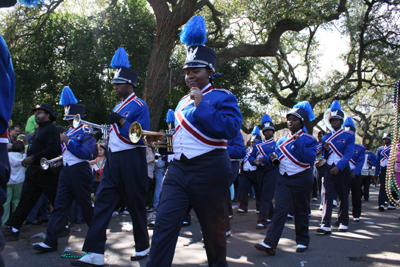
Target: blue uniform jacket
[7,87]
[216,117]
[304,149]
[358,158]
[262,148]
[136,110]
[236,148]
[381,153]
[81,144]
[343,143]
[371,158]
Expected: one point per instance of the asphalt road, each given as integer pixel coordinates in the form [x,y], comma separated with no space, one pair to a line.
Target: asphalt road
[374,241]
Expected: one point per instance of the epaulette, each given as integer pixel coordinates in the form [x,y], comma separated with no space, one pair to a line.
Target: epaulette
[309,135]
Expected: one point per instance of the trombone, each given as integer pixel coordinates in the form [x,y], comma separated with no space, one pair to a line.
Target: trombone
[136,132]
[77,121]
[52,163]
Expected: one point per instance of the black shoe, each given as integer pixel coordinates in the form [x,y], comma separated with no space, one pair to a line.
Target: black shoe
[381,208]
[151,225]
[136,258]
[300,250]
[64,232]
[269,251]
[186,223]
[324,230]
[9,235]
[42,249]
[33,222]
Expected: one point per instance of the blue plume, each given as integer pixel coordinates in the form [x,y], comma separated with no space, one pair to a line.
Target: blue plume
[67,97]
[170,116]
[307,107]
[120,59]
[215,75]
[256,131]
[195,32]
[349,122]
[266,118]
[304,129]
[30,2]
[335,105]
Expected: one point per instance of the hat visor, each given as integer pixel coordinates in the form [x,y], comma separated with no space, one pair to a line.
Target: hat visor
[194,65]
[268,128]
[119,80]
[69,117]
[336,117]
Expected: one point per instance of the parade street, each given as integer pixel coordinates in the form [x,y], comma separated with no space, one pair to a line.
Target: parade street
[374,241]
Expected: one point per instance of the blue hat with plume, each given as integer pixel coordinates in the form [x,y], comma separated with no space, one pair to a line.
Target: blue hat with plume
[266,123]
[336,111]
[123,74]
[303,111]
[194,35]
[349,125]
[255,134]
[69,101]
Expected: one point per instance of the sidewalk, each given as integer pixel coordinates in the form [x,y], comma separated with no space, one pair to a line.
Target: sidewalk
[374,241]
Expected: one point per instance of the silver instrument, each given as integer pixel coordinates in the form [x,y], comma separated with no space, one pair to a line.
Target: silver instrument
[275,162]
[52,163]
[78,121]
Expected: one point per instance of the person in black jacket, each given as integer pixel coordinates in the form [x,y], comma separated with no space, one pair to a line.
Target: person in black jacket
[45,143]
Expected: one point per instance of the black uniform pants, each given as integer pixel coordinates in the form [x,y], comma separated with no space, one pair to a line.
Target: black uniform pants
[291,191]
[267,184]
[75,183]
[202,182]
[37,181]
[356,196]
[229,211]
[248,179]
[340,183]
[125,174]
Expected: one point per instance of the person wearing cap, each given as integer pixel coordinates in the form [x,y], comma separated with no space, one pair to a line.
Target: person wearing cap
[236,151]
[7,91]
[75,181]
[45,143]
[125,171]
[382,159]
[337,149]
[200,171]
[296,152]
[266,173]
[248,176]
[356,163]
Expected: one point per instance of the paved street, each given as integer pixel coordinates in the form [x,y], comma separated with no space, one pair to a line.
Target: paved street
[374,241]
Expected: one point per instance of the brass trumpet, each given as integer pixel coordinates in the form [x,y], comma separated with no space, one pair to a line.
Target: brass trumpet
[136,132]
[52,163]
[77,121]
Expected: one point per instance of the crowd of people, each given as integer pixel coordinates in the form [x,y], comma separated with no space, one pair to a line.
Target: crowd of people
[208,153]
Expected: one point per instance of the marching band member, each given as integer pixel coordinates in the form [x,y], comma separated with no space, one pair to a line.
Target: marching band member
[200,172]
[382,157]
[125,170]
[266,173]
[7,91]
[296,152]
[337,148]
[366,180]
[356,163]
[75,180]
[248,176]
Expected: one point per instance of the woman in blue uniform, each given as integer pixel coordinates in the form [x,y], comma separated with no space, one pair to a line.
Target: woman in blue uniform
[296,152]
[199,174]
[266,173]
